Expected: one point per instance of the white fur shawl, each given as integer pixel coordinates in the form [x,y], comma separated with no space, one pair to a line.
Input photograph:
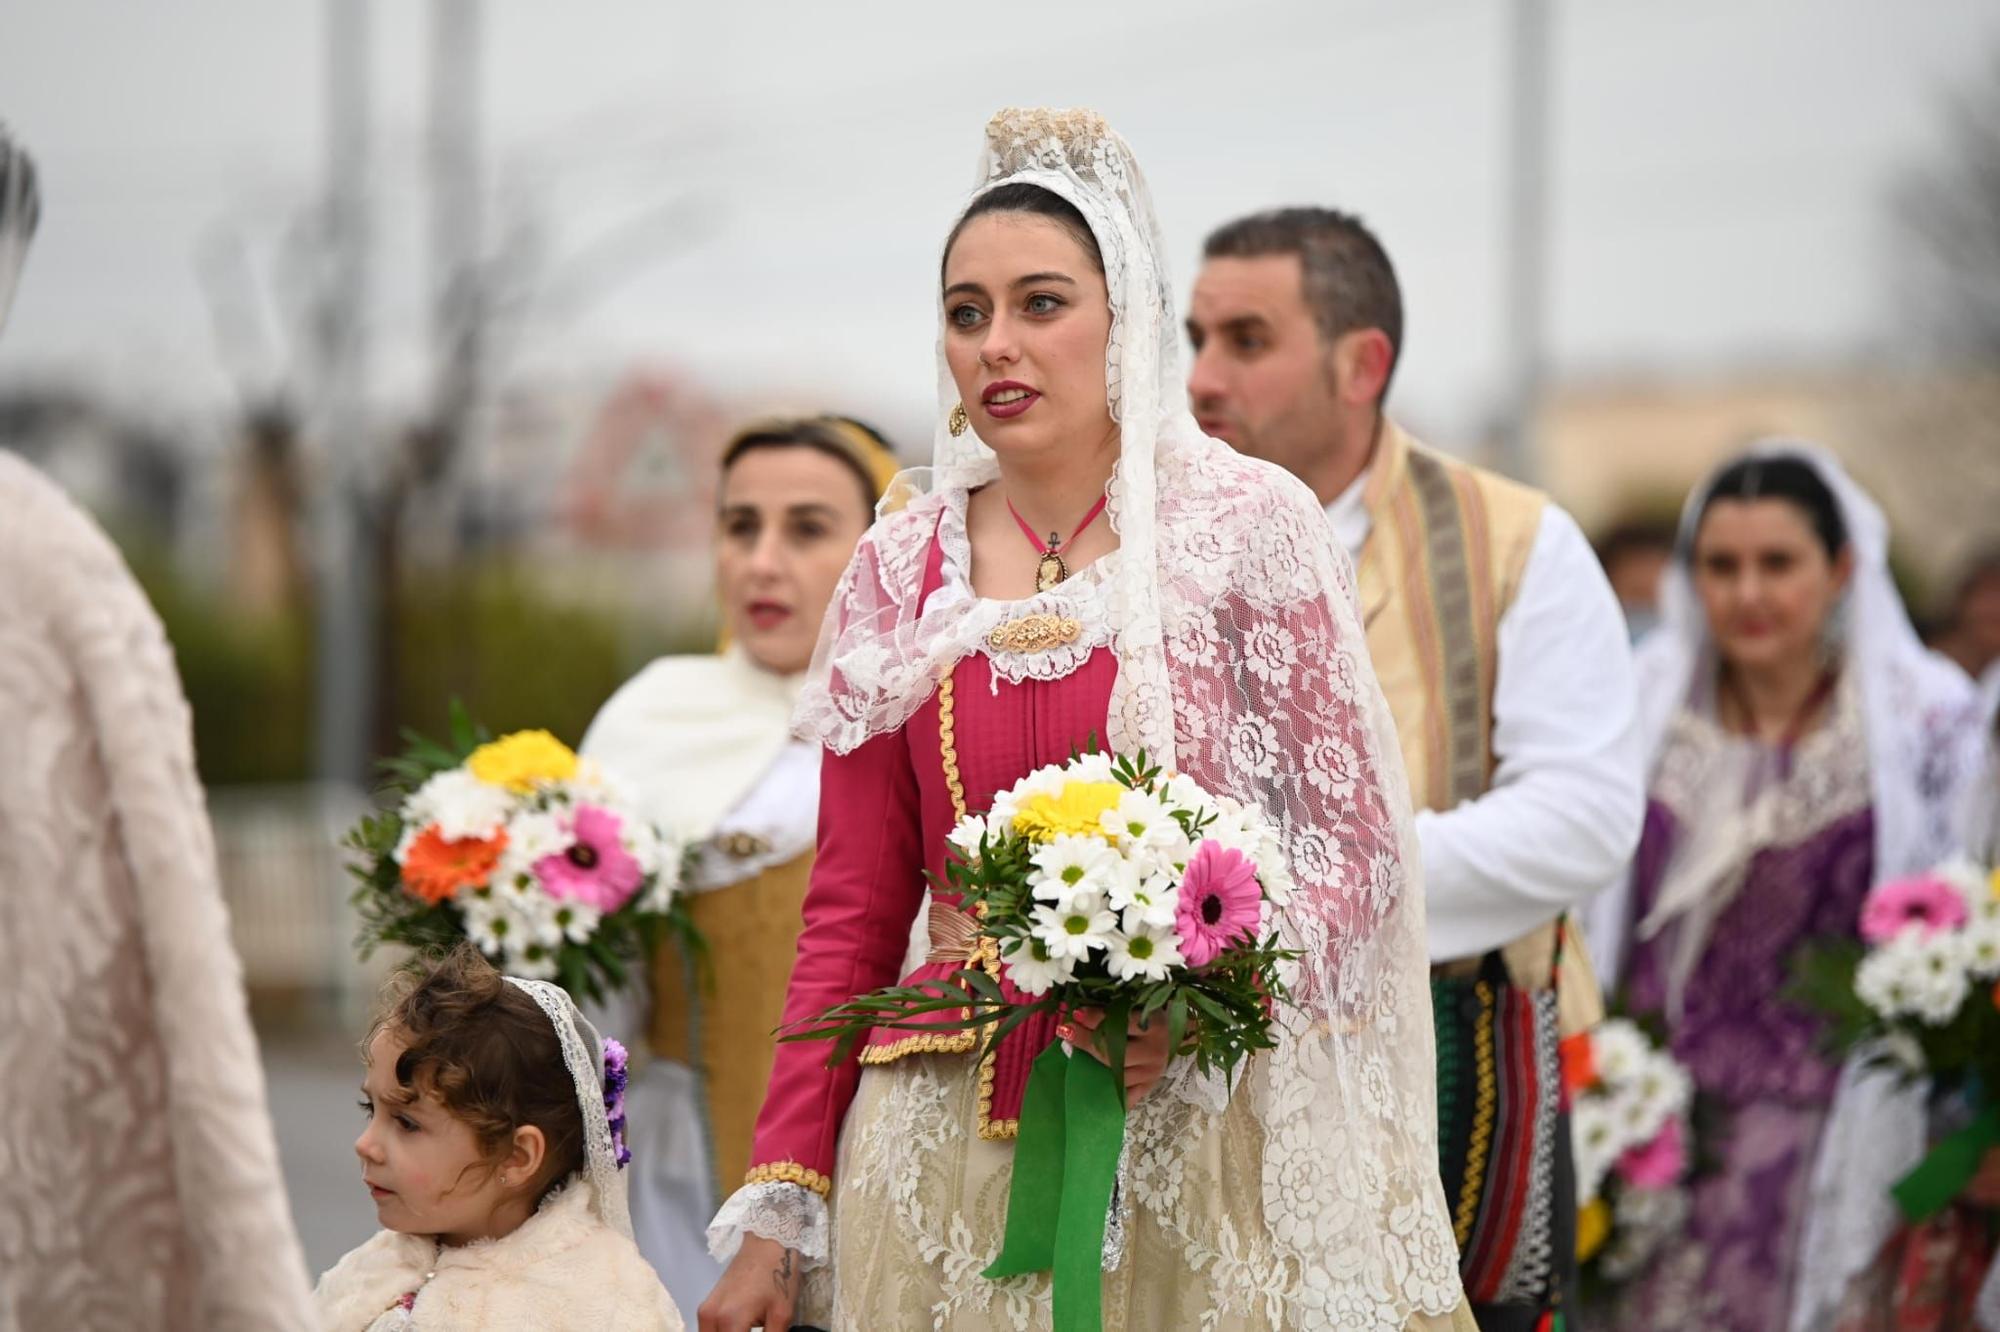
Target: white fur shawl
[562,1271]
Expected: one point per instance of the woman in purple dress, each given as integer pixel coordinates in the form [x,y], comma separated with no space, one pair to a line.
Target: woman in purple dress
[1803,745]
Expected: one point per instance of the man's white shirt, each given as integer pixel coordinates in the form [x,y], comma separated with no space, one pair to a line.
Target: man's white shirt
[1563,814]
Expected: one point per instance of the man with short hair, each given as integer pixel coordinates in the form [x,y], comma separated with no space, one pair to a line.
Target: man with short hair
[1635,555]
[1970,631]
[1505,661]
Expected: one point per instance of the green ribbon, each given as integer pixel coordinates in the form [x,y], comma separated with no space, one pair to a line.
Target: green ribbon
[1065,1167]
[1943,1175]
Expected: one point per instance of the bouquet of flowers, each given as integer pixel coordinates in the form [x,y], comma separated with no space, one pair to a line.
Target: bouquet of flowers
[521,847]
[1110,885]
[1631,1125]
[1921,988]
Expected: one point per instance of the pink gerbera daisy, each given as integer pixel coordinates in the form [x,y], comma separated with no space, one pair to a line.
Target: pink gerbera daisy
[597,870]
[1219,902]
[1658,1164]
[1923,900]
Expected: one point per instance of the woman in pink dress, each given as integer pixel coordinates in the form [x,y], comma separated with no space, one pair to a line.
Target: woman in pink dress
[1084,564]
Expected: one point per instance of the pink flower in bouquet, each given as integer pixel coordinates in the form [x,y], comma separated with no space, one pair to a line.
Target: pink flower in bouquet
[597,870]
[1922,900]
[1219,902]
[1658,1164]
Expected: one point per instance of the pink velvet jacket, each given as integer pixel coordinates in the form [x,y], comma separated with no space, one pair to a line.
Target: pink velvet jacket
[885,809]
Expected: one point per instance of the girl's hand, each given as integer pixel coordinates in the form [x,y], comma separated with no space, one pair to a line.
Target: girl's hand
[759,1288]
[1146,1052]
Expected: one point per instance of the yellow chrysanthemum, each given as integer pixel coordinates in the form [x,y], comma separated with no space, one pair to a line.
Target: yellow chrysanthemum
[1078,809]
[1593,1227]
[520,760]
[1994,886]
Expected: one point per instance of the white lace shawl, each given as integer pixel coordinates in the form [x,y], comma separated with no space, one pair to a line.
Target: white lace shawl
[1918,718]
[583,1056]
[1241,659]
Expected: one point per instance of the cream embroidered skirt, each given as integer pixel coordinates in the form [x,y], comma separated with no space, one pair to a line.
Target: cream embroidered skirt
[921,1204]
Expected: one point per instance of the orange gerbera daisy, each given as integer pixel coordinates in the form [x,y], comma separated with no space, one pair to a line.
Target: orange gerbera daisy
[1579,1064]
[437,869]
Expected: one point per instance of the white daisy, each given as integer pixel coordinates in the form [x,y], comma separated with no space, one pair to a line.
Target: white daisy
[534,916]
[1943,979]
[1594,1133]
[1032,968]
[514,877]
[535,962]
[1913,975]
[488,923]
[1968,878]
[1151,898]
[967,835]
[1146,829]
[1181,791]
[460,805]
[1143,951]
[1048,781]
[1982,946]
[642,842]
[576,921]
[1619,1050]
[535,833]
[1093,767]
[1072,866]
[1075,931]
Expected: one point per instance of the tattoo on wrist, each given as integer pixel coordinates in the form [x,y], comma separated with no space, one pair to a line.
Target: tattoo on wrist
[781,1275]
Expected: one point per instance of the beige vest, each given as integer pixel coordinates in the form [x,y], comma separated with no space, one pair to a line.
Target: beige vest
[1442,564]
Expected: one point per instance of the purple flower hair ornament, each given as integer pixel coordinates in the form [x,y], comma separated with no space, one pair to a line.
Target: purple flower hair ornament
[614,1098]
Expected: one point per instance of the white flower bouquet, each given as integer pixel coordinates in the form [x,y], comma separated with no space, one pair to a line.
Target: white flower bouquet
[1631,1126]
[526,850]
[1107,885]
[1921,988]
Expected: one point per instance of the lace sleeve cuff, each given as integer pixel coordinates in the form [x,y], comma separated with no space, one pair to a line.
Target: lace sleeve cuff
[1184,1081]
[788,1213]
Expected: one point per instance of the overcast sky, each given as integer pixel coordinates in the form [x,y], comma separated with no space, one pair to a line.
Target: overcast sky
[1718,200]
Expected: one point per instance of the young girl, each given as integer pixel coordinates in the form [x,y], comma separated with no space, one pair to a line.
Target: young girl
[492,1149]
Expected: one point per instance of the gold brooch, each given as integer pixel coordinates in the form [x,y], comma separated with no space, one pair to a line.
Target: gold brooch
[1035,633]
[742,845]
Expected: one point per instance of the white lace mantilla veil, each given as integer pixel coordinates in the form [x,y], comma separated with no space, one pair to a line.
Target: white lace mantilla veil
[1919,719]
[1242,659]
[583,1055]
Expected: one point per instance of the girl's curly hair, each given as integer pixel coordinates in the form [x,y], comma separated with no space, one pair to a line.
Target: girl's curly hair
[488,1052]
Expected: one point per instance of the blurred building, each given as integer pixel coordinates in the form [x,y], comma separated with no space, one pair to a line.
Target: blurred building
[1926,444]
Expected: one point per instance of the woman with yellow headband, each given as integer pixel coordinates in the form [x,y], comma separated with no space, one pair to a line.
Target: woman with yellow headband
[704,743]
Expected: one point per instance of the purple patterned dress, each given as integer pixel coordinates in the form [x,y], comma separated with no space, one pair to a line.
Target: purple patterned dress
[1802,873]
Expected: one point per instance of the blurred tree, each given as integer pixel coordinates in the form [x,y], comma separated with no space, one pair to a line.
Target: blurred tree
[1944,426]
[517,654]
[1951,207]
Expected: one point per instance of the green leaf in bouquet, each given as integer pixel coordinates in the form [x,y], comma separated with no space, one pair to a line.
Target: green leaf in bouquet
[1823,982]
[1090,746]
[1177,1021]
[466,734]
[572,974]
[1114,1035]
[605,955]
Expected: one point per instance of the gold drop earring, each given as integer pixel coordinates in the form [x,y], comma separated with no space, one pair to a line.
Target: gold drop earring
[957,422]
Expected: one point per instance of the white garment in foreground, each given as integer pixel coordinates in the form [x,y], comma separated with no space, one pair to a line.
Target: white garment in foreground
[1563,814]
[564,1270]
[139,1181]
